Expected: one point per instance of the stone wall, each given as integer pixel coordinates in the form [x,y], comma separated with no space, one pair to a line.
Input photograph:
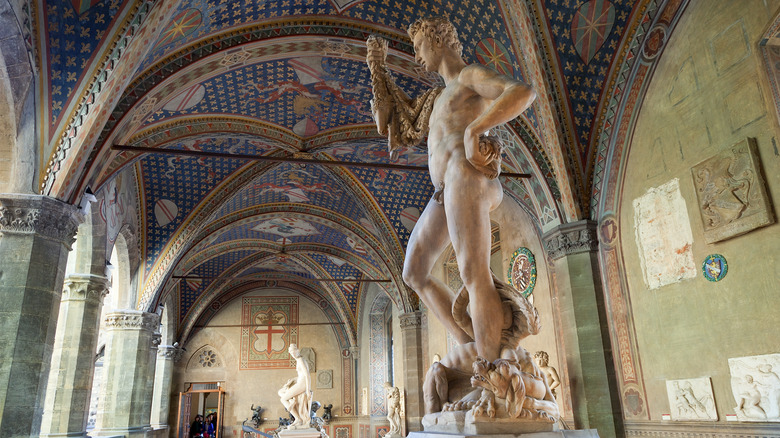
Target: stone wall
[708,93]
[259,387]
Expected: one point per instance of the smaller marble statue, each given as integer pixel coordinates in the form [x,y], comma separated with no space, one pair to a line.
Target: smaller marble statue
[393,395]
[296,394]
[553,381]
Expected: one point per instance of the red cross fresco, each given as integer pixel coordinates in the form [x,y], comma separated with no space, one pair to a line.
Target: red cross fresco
[268,330]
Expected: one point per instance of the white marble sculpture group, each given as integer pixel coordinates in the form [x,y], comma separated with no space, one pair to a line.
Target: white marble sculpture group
[488,374]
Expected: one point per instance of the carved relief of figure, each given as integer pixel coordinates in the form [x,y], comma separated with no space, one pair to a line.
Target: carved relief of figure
[296,394]
[553,381]
[687,404]
[393,395]
[749,401]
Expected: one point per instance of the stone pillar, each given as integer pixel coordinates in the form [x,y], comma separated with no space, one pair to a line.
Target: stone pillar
[73,361]
[163,379]
[36,233]
[124,408]
[585,331]
[411,331]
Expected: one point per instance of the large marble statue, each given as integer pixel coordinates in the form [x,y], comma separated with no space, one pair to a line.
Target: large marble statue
[296,394]
[487,317]
[393,395]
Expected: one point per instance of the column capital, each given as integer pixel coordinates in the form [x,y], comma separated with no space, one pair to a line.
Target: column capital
[84,286]
[132,320]
[410,320]
[571,238]
[37,214]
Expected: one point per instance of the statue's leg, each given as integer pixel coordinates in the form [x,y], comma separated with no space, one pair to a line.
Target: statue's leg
[468,200]
[435,388]
[428,240]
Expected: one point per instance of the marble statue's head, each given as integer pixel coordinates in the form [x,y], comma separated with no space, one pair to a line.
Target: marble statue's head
[293,350]
[435,29]
[542,358]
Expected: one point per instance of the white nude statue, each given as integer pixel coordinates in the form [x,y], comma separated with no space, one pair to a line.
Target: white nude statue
[487,317]
[296,394]
[393,395]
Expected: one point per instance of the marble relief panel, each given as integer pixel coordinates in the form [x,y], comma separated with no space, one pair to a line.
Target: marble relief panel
[755,382]
[691,399]
[731,192]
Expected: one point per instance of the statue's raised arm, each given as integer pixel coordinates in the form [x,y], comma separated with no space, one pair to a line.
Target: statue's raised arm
[402,119]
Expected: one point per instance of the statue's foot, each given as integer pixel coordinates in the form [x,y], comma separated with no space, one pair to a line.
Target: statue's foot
[485,406]
[465,403]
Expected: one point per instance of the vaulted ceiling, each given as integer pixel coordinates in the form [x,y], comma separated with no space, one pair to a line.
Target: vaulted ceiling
[287,79]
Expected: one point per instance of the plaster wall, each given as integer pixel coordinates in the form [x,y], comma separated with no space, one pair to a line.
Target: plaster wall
[709,92]
[259,387]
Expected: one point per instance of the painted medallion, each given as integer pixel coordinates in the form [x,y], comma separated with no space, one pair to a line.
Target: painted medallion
[522,271]
[714,267]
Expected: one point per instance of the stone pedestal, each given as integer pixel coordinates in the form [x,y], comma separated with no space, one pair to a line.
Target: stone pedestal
[464,423]
[36,233]
[585,330]
[70,380]
[586,433]
[309,432]
[163,377]
[411,331]
[125,407]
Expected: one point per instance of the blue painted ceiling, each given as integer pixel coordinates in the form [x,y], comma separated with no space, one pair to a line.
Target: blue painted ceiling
[287,78]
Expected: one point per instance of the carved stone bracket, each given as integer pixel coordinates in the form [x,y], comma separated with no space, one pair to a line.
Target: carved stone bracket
[354,352]
[132,320]
[170,352]
[85,287]
[572,238]
[156,340]
[36,214]
[410,320]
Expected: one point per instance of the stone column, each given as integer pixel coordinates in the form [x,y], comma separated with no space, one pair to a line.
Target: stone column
[411,331]
[36,233]
[588,352]
[124,408]
[163,379]
[73,360]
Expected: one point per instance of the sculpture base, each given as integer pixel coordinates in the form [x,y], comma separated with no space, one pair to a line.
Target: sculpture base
[461,424]
[309,432]
[585,433]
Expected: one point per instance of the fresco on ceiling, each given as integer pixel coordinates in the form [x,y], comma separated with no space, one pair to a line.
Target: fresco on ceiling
[191,289]
[181,25]
[586,35]
[175,185]
[395,191]
[305,94]
[287,182]
[117,205]
[74,30]
[286,227]
[222,15]
[341,269]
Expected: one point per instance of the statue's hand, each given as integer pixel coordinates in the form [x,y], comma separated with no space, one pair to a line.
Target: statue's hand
[377,49]
[490,147]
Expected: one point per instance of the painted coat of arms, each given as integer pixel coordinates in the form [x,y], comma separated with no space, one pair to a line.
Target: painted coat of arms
[268,327]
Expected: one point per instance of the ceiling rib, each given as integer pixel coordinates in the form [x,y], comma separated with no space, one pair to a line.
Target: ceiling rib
[287,278]
[141,149]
